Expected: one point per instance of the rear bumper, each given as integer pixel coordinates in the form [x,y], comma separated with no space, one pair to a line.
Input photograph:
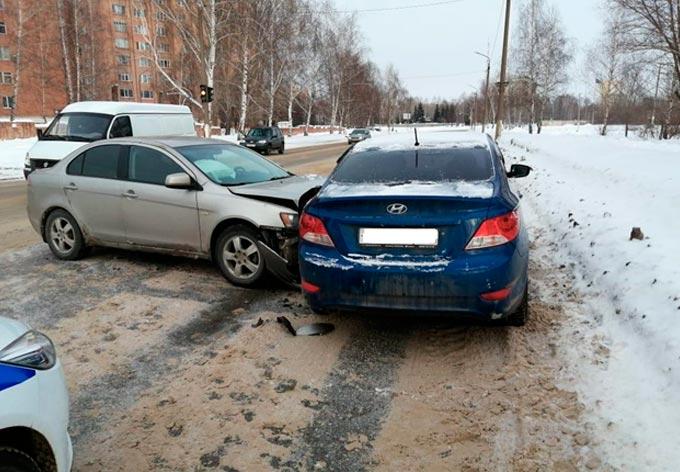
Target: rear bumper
[446,286]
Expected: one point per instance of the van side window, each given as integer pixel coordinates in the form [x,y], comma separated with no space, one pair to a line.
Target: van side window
[75,167]
[150,166]
[102,162]
[121,127]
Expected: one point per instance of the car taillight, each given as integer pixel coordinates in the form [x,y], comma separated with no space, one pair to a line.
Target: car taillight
[495,231]
[313,230]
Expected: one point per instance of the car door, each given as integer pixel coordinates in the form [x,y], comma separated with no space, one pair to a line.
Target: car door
[93,188]
[155,215]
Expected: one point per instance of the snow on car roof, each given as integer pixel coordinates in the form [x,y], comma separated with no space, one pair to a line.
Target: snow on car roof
[428,139]
[116,108]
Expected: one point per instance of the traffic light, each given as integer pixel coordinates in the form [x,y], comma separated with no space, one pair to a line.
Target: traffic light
[206,94]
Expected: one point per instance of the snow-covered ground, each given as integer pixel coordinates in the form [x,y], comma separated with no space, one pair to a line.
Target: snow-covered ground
[12,154]
[585,195]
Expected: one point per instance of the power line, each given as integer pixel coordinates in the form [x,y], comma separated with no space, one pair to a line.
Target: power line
[387,9]
[442,76]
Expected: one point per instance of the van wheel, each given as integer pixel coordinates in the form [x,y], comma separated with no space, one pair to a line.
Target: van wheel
[63,236]
[14,460]
[268,150]
[239,257]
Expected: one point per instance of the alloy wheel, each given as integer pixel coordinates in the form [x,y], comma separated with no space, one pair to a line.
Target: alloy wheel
[62,235]
[241,257]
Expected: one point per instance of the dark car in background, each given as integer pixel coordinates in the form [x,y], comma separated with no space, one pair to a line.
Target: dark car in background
[429,226]
[265,139]
[358,135]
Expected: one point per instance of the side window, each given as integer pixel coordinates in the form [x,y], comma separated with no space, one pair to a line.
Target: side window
[150,166]
[121,127]
[102,162]
[75,167]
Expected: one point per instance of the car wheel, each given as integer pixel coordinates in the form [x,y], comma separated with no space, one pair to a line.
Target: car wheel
[63,236]
[268,150]
[281,149]
[239,256]
[519,317]
[14,460]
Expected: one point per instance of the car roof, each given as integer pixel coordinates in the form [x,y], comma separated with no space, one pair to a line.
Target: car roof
[168,141]
[427,138]
[117,108]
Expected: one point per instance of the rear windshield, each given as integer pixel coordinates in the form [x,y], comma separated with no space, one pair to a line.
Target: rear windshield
[424,165]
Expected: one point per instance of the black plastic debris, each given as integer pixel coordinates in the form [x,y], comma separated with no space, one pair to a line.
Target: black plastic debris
[313,329]
[258,323]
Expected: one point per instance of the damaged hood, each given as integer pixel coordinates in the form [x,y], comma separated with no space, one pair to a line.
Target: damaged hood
[10,330]
[287,192]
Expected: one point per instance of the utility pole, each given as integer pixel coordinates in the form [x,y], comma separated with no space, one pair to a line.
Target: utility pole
[486,90]
[504,66]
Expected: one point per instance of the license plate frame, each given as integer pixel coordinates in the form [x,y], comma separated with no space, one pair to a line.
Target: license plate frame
[399,237]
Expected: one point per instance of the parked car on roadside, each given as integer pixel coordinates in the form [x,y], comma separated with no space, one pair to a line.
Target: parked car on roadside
[195,197]
[83,122]
[431,226]
[34,408]
[265,140]
[358,135]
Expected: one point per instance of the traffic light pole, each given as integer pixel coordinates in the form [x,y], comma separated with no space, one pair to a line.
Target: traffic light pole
[504,66]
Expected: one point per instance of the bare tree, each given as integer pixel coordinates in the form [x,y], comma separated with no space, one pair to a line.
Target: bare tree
[540,55]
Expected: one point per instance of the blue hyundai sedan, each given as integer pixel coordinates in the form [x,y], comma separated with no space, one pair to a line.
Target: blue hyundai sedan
[427,225]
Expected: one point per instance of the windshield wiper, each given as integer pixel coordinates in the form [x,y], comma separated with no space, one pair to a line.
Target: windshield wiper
[279,178]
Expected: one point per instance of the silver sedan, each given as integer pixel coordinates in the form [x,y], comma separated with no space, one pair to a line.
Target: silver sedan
[202,198]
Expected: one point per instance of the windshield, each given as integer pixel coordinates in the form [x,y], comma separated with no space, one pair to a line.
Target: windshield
[259,133]
[359,131]
[229,165]
[78,127]
[425,165]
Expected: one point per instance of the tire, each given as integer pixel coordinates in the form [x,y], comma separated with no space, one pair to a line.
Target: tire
[282,148]
[239,257]
[14,460]
[63,236]
[268,150]
[519,317]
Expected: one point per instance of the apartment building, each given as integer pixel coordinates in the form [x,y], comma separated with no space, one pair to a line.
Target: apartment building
[87,50]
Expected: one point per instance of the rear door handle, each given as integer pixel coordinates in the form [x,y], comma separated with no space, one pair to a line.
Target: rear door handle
[71,186]
[130,194]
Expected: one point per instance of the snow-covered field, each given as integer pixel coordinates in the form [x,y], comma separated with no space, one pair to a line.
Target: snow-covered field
[12,154]
[585,195]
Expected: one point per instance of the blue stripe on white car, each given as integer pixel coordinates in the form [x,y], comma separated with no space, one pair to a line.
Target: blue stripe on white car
[11,376]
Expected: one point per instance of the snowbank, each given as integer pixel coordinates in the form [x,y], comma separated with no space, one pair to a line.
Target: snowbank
[12,154]
[586,194]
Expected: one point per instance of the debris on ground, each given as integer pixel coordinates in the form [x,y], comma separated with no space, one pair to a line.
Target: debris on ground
[313,329]
[636,233]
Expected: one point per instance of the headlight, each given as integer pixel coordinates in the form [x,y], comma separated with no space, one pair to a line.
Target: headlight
[262,141]
[290,220]
[27,160]
[32,349]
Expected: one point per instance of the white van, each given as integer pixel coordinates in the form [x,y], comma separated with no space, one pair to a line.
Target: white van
[83,122]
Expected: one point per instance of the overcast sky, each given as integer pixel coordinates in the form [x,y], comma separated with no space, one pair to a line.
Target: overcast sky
[433,47]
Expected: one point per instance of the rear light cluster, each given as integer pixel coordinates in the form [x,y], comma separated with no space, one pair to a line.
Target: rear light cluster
[313,230]
[496,231]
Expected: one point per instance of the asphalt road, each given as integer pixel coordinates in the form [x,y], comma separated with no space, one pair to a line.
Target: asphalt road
[17,232]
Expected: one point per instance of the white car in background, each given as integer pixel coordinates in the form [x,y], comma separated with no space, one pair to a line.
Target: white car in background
[34,409]
[84,122]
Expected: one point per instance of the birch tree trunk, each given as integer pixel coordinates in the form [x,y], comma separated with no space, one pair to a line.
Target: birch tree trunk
[76,35]
[245,69]
[65,49]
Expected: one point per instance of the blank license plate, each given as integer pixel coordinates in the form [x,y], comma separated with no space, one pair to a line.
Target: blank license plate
[420,237]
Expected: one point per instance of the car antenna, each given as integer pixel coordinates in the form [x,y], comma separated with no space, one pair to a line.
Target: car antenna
[415,130]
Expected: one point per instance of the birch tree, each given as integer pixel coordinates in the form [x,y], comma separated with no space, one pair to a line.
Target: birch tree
[540,55]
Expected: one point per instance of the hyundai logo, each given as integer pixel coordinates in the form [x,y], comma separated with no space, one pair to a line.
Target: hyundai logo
[397,208]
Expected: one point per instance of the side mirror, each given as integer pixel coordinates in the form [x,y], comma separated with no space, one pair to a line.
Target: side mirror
[179,180]
[39,132]
[518,171]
